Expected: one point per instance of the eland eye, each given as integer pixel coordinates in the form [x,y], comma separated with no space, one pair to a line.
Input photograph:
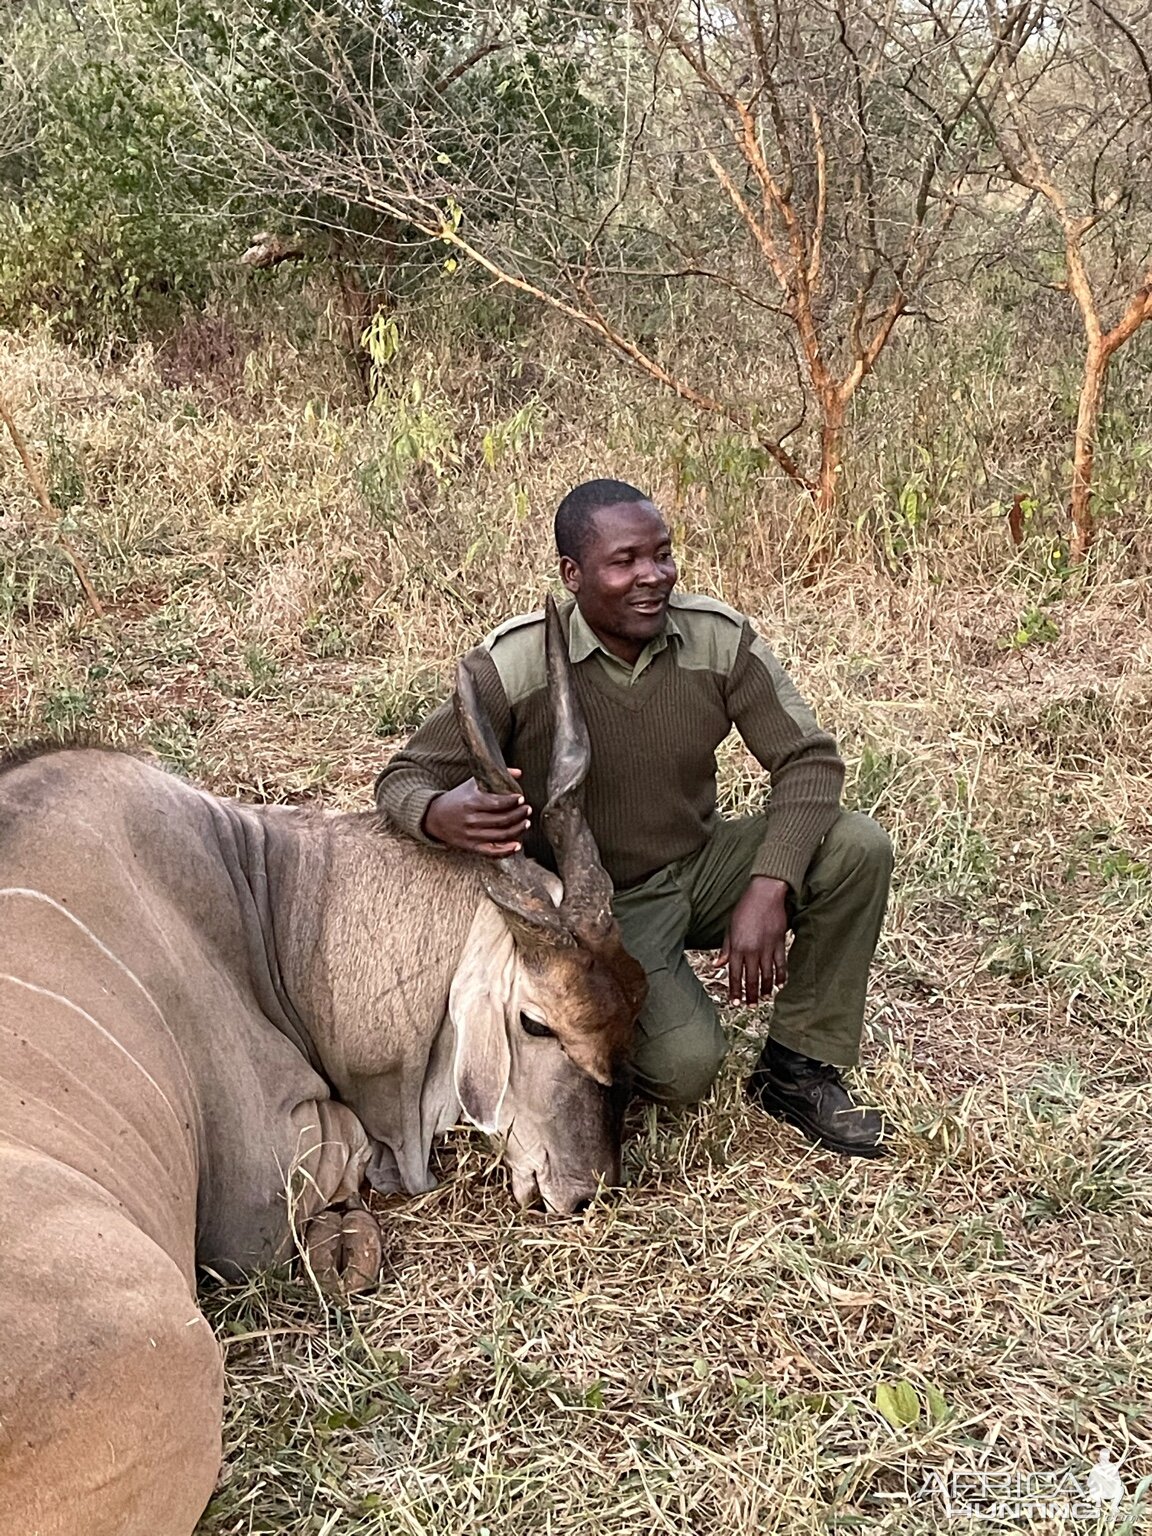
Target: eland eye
[532,1026]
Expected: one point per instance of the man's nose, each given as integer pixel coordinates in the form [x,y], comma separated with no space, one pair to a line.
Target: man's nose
[649,575]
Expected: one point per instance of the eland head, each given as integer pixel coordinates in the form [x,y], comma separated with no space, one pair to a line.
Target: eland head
[545,1000]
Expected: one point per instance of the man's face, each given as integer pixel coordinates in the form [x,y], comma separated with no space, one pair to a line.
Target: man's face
[624,577]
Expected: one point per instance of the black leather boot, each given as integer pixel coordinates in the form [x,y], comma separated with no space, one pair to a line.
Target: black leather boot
[811,1096]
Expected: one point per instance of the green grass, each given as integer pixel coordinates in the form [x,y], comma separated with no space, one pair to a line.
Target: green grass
[288,582]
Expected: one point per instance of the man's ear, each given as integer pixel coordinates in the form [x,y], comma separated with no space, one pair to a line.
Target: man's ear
[570,574]
[477,1005]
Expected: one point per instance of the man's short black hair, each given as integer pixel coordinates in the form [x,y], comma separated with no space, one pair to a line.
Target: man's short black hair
[575,513]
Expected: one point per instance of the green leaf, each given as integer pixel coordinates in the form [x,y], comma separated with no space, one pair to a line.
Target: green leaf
[898,1403]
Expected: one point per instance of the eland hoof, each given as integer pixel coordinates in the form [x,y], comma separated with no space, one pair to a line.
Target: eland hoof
[343,1250]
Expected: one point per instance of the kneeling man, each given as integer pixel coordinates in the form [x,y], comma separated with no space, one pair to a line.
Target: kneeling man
[662,678]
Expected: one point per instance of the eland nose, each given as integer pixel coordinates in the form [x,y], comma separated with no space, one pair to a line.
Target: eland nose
[575,1199]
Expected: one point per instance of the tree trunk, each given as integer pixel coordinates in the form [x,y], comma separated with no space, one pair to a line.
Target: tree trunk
[831,452]
[361,304]
[356,313]
[1084,454]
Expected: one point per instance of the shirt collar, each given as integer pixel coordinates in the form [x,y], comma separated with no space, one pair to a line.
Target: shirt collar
[582,641]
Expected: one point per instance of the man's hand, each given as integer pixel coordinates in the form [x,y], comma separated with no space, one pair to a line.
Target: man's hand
[755,949]
[474,821]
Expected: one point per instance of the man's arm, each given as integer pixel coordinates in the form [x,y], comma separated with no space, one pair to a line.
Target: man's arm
[806,775]
[428,791]
[802,762]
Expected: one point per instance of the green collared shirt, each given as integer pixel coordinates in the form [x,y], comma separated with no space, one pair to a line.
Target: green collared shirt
[582,643]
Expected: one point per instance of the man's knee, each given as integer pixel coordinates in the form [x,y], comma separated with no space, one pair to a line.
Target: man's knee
[678,1071]
[856,845]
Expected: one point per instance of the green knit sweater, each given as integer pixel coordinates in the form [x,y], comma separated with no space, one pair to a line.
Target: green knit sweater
[650,795]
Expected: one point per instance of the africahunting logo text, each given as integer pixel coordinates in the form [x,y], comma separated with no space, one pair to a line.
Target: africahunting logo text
[1078,1494]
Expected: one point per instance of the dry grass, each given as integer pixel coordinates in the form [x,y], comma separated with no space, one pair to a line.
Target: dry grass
[287,582]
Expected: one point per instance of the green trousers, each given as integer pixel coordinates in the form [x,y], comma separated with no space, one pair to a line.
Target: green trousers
[835,922]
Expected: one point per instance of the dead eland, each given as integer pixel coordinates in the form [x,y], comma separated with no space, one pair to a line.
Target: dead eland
[216,1020]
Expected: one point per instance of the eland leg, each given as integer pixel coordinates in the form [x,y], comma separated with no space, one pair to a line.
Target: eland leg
[339,1239]
[111,1390]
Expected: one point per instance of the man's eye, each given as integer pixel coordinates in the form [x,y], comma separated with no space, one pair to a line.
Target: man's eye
[532,1026]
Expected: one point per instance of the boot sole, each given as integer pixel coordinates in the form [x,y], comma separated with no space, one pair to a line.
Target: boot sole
[779,1109]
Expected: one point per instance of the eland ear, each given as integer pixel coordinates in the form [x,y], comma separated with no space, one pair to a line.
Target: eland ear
[477,1005]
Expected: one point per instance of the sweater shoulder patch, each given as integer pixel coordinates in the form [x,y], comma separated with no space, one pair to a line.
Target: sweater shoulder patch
[710,632]
[517,651]
[696,602]
[786,691]
[510,626]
